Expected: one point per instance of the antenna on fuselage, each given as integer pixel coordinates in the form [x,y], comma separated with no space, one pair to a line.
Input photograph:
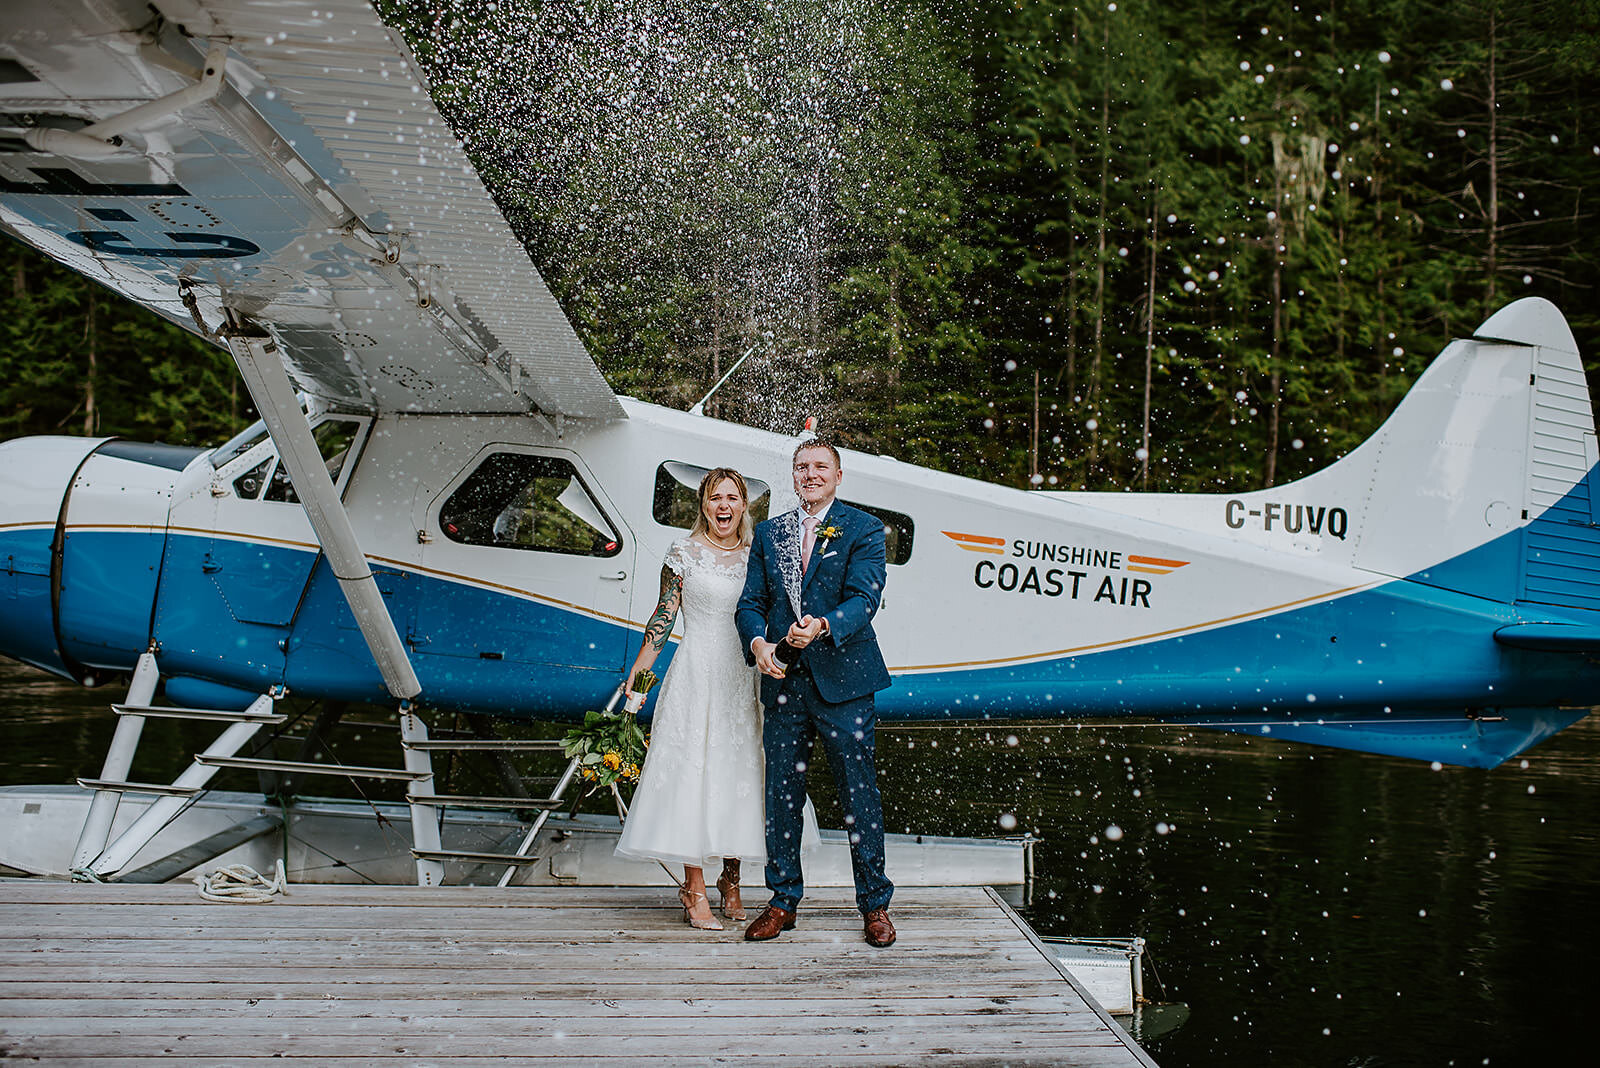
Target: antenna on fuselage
[700,406]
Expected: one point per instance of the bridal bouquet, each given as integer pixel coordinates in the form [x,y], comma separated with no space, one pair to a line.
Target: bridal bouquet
[610,745]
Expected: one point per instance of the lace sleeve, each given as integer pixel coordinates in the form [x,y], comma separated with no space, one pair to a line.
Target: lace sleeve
[677,558]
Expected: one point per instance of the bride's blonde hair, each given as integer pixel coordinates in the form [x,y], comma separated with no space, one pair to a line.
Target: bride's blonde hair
[713,479]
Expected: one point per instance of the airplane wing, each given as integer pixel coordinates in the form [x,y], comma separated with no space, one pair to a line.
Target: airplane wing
[281,164]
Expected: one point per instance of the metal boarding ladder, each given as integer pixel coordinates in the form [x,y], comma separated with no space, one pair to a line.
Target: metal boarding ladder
[424,825]
[95,859]
[427,806]
[96,855]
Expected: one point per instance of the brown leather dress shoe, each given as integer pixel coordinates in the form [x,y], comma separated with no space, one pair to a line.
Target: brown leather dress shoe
[877,928]
[769,924]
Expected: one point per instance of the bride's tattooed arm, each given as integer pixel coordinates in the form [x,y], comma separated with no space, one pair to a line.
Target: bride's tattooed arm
[659,628]
[660,625]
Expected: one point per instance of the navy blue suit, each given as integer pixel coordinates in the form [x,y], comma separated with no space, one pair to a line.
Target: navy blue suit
[827,695]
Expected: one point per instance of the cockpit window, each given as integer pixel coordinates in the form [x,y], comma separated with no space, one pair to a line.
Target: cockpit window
[677,495]
[334,438]
[248,485]
[519,500]
[239,444]
[280,487]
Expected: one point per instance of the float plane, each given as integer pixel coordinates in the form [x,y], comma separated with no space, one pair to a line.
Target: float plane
[446,506]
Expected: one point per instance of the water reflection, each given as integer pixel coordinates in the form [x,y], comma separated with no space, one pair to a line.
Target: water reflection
[1312,907]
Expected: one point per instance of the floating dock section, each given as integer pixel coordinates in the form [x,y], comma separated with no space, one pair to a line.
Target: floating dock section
[339,841]
[113,975]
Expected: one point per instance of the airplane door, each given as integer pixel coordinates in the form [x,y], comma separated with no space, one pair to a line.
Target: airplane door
[240,552]
[526,561]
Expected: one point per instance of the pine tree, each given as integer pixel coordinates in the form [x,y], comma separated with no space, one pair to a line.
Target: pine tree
[906,352]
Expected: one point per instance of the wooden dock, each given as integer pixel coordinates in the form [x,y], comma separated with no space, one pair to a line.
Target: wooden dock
[122,975]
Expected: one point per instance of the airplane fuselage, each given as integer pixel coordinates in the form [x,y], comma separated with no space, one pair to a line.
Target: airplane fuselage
[519,563]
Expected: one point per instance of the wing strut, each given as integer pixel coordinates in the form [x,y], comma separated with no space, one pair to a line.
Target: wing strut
[274,397]
[104,138]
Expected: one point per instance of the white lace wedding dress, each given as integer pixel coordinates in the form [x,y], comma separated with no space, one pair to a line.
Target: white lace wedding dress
[700,796]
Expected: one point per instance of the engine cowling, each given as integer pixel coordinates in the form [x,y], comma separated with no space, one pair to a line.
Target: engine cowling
[34,476]
[82,545]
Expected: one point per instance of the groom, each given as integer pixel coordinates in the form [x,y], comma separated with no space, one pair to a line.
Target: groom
[839,553]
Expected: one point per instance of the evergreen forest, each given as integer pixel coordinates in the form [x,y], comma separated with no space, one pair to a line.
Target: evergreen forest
[1115,246]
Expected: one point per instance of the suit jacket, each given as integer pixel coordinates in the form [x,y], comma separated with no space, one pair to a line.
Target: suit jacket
[843,582]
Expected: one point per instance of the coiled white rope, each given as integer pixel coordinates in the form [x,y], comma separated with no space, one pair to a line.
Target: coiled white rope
[240,884]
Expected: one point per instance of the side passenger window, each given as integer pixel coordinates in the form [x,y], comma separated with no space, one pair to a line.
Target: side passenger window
[677,499]
[898,530]
[517,500]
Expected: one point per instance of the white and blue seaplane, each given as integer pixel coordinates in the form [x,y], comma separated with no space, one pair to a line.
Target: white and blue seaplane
[446,508]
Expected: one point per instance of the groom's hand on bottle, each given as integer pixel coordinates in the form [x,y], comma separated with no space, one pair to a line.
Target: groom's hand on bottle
[805,631]
[763,651]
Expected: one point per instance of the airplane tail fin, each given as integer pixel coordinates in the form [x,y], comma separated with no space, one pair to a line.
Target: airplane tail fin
[1482,481]
[1509,491]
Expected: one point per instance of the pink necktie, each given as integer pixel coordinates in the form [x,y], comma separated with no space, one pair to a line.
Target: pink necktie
[808,541]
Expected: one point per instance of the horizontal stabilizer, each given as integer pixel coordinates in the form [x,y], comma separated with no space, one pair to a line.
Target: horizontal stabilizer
[1550,637]
[1483,742]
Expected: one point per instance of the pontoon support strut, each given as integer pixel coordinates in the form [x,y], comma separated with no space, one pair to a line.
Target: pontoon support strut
[119,761]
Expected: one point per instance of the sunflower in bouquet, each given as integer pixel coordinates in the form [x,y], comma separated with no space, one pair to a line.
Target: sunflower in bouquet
[610,745]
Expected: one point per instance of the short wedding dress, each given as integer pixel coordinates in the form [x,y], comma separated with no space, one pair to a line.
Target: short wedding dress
[700,797]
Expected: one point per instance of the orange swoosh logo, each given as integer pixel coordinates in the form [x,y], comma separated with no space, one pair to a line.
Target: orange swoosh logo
[1154,565]
[977,543]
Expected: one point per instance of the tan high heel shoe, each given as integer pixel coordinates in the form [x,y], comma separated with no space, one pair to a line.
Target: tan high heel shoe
[732,906]
[687,897]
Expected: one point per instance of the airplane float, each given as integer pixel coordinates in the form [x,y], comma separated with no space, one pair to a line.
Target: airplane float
[446,506]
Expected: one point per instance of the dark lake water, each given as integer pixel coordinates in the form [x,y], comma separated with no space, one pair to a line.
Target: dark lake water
[1311,906]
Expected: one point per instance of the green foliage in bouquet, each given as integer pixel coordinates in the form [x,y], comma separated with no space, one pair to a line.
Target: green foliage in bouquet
[610,745]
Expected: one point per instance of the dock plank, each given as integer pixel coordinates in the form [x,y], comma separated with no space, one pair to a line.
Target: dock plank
[320,895]
[277,1007]
[123,975]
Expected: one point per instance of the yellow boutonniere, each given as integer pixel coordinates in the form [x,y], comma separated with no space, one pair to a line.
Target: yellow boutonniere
[829,532]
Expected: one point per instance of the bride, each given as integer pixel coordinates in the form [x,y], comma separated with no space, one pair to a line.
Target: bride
[700,795]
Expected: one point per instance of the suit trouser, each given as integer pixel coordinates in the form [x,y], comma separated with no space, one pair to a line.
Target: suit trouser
[847,732]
